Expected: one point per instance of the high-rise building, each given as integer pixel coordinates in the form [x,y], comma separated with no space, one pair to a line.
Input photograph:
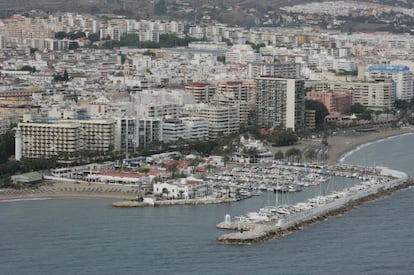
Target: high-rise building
[239,90]
[280,102]
[196,127]
[377,94]
[288,70]
[336,101]
[203,92]
[222,120]
[134,132]
[401,75]
[173,129]
[63,138]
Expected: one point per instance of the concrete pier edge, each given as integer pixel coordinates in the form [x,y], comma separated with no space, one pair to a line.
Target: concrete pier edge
[261,233]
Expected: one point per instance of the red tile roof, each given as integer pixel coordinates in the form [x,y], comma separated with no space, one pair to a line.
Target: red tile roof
[114,173]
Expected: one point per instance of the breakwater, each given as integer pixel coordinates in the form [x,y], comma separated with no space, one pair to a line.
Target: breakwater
[130,203]
[256,232]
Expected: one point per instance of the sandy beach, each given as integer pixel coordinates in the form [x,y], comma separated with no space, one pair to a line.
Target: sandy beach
[338,146]
[345,142]
[52,189]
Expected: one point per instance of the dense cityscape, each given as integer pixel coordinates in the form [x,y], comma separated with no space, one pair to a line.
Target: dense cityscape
[177,104]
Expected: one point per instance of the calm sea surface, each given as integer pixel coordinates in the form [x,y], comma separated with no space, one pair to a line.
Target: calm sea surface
[87,236]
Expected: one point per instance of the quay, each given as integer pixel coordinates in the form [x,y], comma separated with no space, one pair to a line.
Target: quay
[132,203]
[249,232]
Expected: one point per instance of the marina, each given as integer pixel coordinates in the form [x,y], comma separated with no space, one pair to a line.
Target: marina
[378,233]
[271,222]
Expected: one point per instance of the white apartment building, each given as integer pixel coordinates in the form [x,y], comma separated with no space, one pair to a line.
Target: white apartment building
[373,94]
[242,54]
[280,103]
[42,140]
[196,127]
[202,92]
[173,129]
[4,125]
[222,120]
[401,75]
[344,65]
[378,94]
[64,137]
[228,99]
[147,35]
[288,70]
[158,110]
[98,135]
[134,132]
[240,90]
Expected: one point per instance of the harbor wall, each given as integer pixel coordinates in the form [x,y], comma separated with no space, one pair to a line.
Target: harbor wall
[292,222]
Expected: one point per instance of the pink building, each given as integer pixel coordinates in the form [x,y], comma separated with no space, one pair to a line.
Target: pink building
[336,101]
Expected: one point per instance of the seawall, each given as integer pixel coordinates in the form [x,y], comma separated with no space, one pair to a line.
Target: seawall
[260,232]
[172,202]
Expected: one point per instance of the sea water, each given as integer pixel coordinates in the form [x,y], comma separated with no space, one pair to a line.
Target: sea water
[87,236]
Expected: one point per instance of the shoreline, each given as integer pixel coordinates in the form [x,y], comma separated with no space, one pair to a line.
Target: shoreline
[63,190]
[342,146]
[339,148]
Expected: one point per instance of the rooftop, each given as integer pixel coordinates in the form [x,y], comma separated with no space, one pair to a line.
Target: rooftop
[385,67]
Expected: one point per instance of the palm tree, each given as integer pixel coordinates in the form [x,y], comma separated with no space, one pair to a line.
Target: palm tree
[295,153]
[172,169]
[279,155]
[193,163]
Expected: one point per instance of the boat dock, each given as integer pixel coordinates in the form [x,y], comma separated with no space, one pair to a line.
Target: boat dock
[132,203]
[272,223]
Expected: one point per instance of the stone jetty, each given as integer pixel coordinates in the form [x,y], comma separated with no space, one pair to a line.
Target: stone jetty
[132,203]
[257,232]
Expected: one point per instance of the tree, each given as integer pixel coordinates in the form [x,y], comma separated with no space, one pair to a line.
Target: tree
[193,163]
[284,138]
[65,76]
[60,35]
[172,169]
[311,155]
[148,53]
[293,154]
[160,7]
[144,170]
[361,111]
[93,37]
[279,155]
[75,35]
[73,45]
[6,146]
[204,148]
[357,108]
[123,58]
[28,68]
[320,114]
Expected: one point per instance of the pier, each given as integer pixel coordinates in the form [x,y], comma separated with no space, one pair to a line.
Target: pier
[250,231]
[132,203]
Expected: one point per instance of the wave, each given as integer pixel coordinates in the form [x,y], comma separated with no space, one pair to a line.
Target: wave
[25,199]
[347,154]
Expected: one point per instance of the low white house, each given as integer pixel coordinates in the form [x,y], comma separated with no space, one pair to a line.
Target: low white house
[27,178]
[187,188]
